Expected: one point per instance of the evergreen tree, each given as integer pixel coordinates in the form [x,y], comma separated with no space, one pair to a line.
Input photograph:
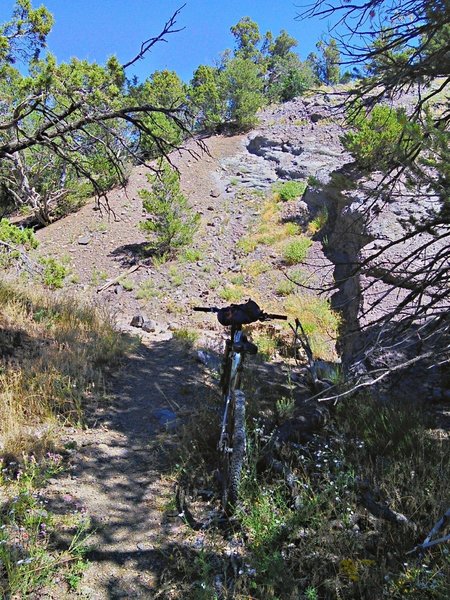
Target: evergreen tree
[327,65]
[171,224]
[165,90]
[207,96]
[247,35]
[244,86]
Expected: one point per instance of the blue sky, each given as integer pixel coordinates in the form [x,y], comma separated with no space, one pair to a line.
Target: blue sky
[95,29]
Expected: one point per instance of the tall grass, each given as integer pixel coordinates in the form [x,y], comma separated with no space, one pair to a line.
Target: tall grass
[319,321]
[39,546]
[53,357]
[326,545]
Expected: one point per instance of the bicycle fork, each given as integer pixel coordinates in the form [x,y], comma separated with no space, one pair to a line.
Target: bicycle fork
[235,369]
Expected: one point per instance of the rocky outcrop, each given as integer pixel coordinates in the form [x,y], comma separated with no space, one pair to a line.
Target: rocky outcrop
[384,229]
[300,139]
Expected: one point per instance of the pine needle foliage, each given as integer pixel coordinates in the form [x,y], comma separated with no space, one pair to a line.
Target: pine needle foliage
[172,223]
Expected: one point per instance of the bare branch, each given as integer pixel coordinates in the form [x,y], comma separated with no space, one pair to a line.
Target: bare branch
[169,28]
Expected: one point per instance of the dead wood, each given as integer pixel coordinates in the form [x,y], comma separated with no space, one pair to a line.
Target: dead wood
[119,277]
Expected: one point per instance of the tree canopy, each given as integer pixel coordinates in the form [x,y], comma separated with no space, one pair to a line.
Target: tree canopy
[65,125]
[262,69]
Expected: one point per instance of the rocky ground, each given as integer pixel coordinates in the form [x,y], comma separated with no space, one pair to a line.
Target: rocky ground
[226,186]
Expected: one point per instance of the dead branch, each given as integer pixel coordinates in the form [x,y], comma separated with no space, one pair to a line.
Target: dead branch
[304,342]
[169,28]
[372,382]
[32,267]
[119,277]
[383,511]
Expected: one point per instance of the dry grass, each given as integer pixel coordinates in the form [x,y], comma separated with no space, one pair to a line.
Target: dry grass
[54,354]
[269,230]
[319,322]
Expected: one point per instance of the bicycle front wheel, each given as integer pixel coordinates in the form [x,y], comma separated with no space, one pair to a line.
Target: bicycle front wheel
[234,455]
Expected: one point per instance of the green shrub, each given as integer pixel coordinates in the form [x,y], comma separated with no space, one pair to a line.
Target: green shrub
[290,190]
[285,287]
[16,235]
[296,250]
[127,284]
[291,228]
[147,290]
[176,278]
[54,273]
[382,138]
[185,335]
[232,293]
[191,255]
[172,222]
[257,267]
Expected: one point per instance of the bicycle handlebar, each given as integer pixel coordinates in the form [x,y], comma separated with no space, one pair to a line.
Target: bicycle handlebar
[273,316]
[264,316]
[212,309]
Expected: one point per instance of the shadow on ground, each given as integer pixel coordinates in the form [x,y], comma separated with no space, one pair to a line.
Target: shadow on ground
[129,254]
[119,473]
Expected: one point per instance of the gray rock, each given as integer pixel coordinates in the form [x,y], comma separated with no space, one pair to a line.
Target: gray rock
[165,417]
[137,321]
[84,240]
[150,326]
[315,117]
[209,360]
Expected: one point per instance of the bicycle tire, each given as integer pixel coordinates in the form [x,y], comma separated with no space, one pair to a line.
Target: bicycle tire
[234,460]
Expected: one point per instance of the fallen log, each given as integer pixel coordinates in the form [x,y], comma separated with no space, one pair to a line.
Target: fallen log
[119,277]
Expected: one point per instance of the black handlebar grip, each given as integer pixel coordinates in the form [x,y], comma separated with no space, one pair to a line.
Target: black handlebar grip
[205,308]
[272,316]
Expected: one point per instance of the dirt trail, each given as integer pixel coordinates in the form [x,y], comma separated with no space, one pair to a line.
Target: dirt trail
[119,481]
[115,478]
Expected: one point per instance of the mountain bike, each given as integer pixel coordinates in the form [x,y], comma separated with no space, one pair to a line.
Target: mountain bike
[233,439]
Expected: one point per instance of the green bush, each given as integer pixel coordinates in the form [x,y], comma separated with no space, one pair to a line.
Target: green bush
[17,235]
[54,273]
[191,255]
[381,139]
[296,250]
[290,190]
[172,222]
